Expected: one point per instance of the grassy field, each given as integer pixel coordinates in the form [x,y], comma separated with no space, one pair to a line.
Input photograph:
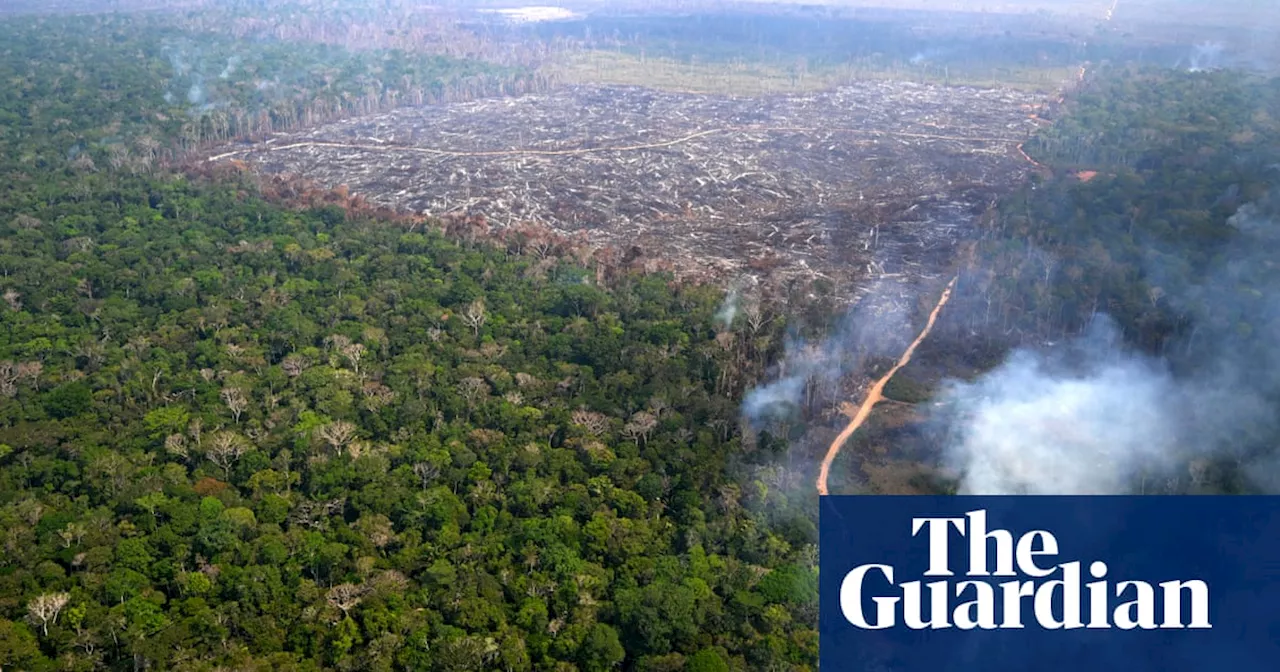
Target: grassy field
[749,78]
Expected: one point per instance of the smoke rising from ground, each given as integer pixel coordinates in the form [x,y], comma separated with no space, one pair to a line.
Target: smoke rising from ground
[189,67]
[1075,423]
[729,309]
[1094,417]
[232,63]
[877,325]
[195,95]
[1204,56]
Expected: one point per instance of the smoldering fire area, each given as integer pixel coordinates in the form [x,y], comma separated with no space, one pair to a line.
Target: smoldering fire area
[1088,415]
[1094,416]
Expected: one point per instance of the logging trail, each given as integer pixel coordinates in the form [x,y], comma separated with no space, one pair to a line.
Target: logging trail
[876,394]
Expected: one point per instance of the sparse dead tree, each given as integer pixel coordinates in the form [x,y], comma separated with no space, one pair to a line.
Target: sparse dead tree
[72,534]
[13,298]
[1198,470]
[473,389]
[84,163]
[475,316]
[148,145]
[294,365]
[541,246]
[225,449]
[337,342]
[337,435]
[358,449]
[29,510]
[376,395]
[483,492]
[640,426]
[195,430]
[30,372]
[377,529]
[44,609]
[8,379]
[353,352]
[594,423]
[117,156]
[235,400]
[493,351]
[176,444]
[346,596]
[27,223]
[426,473]
[314,514]
[756,319]
[1155,294]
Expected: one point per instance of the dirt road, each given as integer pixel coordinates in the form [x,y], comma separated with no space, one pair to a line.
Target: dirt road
[877,392]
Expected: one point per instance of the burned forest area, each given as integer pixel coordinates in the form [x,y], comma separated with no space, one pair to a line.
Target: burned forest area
[871,180]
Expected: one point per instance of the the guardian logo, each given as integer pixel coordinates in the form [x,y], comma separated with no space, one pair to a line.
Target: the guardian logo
[1039,586]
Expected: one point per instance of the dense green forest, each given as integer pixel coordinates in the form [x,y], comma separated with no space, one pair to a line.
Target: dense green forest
[236,434]
[126,91]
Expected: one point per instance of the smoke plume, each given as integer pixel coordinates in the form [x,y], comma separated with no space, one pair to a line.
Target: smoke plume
[1094,417]
[728,309]
[1205,56]
[188,70]
[195,95]
[1077,422]
[741,292]
[877,325]
[232,63]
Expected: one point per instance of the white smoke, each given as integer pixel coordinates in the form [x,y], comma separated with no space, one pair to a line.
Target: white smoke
[186,61]
[195,95]
[740,291]
[1094,417]
[232,64]
[782,396]
[179,62]
[728,309]
[1206,56]
[1038,426]
[928,55]
[877,325]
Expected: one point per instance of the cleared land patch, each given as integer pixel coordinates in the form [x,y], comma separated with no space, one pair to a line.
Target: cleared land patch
[873,179]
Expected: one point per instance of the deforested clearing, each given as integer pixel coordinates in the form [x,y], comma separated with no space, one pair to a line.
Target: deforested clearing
[874,179]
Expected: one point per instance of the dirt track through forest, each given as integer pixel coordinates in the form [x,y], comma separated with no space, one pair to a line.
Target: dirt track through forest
[876,394]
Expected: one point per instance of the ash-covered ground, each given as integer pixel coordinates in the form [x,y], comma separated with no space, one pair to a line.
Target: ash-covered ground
[876,179]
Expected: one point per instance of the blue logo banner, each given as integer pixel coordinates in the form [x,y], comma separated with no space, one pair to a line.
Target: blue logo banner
[1049,584]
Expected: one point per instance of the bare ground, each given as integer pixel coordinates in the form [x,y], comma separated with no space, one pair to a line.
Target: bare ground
[877,179]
